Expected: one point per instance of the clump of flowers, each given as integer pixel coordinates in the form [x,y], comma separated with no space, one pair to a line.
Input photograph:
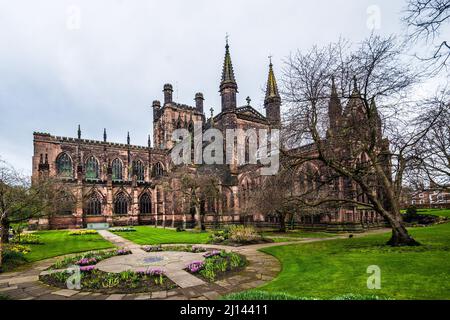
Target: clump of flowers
[212,253]
[152,248]
[82,232]
[123,252]
[86,261]
[87,268]
[197,249]
[195,266]
[152,272]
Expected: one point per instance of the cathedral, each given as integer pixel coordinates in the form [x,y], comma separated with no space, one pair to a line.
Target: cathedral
[122,183]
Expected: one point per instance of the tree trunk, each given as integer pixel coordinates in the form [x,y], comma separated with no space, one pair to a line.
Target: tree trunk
[400,236]
[198,217]
[282,218]
[4,231]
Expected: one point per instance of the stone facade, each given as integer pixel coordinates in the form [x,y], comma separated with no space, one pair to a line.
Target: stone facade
[121,184]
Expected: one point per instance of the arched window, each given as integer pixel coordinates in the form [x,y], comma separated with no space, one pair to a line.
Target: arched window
[121,204]
[65,204]
[158,170]
[93,205]
[117,169]
[92,168]
[145,204]
[64,165]
[138,170]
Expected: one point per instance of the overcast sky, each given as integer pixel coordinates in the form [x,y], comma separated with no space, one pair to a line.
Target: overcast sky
[102,63]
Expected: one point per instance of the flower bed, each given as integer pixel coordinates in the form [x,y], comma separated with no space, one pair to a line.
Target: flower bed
[94,280]
[82,232]
[217,264]
[88,258]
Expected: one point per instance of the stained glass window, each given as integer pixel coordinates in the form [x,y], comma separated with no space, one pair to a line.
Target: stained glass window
[117,169]
[138,169]
[145,204]
[93,205]
[121,204]
[64,165]
[92,168]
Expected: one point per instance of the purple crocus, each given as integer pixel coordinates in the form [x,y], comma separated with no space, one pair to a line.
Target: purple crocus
[86,261]
[87,268]
[212,253]
[195,266]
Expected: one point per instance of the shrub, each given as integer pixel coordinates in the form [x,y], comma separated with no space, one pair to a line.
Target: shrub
[180,229]
[243,234]
[82,232]
[219,236]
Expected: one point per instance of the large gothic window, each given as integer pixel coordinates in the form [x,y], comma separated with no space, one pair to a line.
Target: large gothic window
[64,165]
[121,204]
[66,203]
[145,204]
[158,170]
[138,170]
[92,168]
[93,205]
[117,169]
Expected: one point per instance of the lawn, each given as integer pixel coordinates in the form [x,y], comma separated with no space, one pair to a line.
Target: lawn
[434,212]
[152,235]
[338,267]
[295,235]
[56,243]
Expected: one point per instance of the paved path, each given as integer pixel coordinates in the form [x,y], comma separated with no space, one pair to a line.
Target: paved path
[25,285]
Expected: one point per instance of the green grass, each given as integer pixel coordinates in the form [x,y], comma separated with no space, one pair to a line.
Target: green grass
[338,267]
[434,212]
[264,295]
[56,243]
[152,235]
[295,235]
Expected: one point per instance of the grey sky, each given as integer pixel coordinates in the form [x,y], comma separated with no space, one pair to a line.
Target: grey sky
[106,73]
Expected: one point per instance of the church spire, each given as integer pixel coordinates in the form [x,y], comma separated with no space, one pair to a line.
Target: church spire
[272,88]
[272,102]
[334,107]
[227,70]
[228,85]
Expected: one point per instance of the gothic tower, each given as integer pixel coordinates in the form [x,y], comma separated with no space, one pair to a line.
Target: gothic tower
[334,107]
[272,102]
[228,85]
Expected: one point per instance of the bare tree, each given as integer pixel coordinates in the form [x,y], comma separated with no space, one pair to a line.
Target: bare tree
[21,200]
[285,195]
[374,81]
[196,188]
[432,163]
[426,18]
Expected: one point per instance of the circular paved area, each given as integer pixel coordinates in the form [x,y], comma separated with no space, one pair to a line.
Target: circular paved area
[167,260]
